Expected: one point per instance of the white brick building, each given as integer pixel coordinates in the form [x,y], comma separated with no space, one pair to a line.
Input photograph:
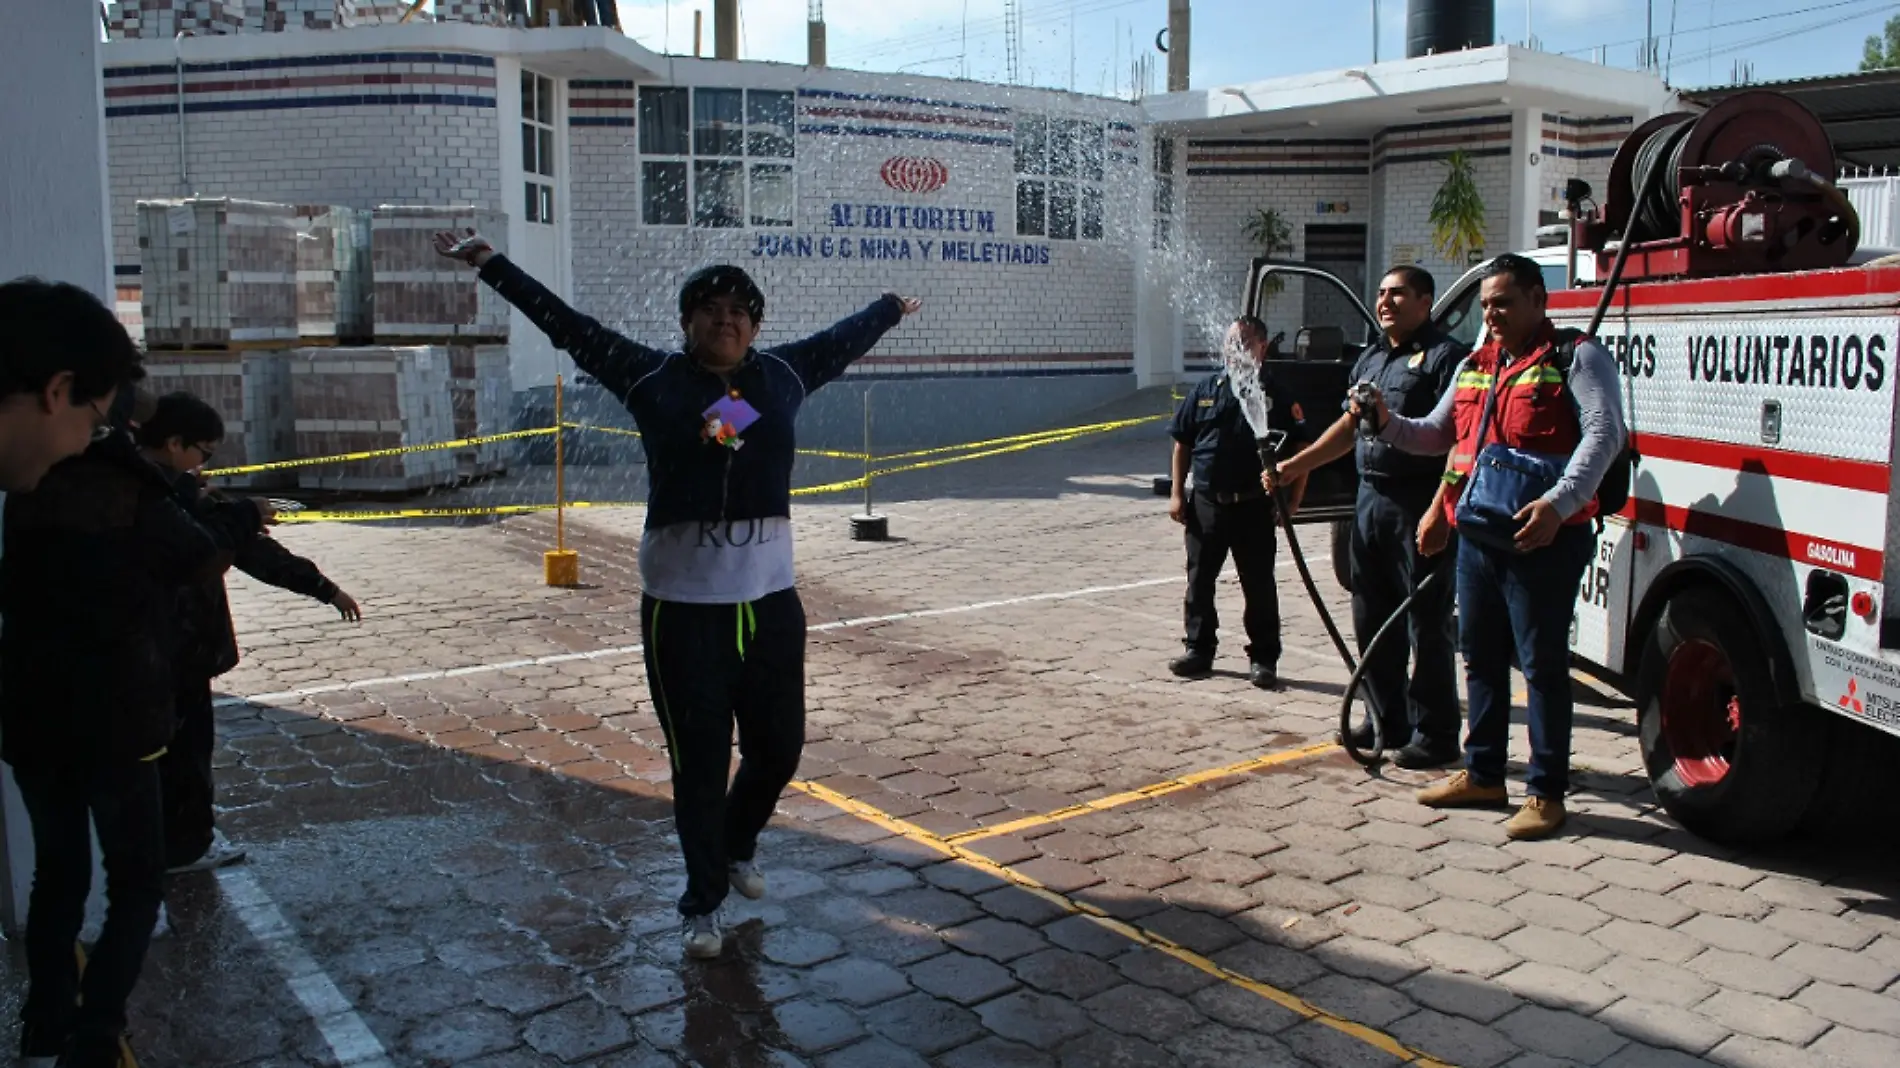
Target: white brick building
[1068,247]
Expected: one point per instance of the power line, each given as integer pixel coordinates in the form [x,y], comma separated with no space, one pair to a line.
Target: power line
[1735,22]
[1782,35]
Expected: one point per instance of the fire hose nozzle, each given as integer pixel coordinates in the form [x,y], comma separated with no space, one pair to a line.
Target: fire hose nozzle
[1366,396]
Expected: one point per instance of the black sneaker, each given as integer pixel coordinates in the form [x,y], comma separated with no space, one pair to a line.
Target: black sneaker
[39,1048]
[1363,741]
[1361,737]
[98,1051]
[1421,755]
[1192,665]
[1264,676]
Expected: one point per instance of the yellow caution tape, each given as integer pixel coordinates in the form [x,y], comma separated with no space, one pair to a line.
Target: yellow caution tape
[833,454]
[992,447]
[377,454]
[1062,433]
[440,513]
[830,487]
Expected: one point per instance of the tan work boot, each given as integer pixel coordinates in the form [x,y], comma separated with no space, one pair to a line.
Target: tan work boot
[1460,790]
[1539,816]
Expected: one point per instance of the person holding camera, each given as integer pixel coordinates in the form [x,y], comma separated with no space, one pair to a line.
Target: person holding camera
[1534,423]
[1393,549]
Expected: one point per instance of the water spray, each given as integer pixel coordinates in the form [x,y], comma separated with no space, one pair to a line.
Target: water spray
[1243,376]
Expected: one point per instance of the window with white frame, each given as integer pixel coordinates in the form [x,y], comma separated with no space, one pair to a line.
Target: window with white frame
[1164,191]
[1059,178]
[716,158]
[537,147]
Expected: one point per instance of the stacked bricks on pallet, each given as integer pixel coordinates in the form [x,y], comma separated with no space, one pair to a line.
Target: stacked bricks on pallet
[217,273]
[162,19]
[251,391]
[417,295]
[276,16]
[127,305]
[333,274]
[480,396]
[480,12]
[349,400]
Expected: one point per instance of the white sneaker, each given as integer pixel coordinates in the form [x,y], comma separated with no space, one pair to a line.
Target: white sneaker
[746,878]
[222,854]
[701,937]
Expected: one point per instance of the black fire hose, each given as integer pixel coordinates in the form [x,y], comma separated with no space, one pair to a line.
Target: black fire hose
[1269,463]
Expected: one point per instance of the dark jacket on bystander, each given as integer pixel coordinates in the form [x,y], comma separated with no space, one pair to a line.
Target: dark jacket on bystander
[89,579]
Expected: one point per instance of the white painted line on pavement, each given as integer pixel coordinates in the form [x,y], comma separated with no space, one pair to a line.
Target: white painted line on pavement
[629,650]
[343,1030]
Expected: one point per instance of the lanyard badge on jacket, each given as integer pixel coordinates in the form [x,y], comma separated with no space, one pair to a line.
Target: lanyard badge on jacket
[727,419]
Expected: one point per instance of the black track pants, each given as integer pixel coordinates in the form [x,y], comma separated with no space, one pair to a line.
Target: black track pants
[709,667]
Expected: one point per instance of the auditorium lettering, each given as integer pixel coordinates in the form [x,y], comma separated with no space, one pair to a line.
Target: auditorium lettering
[887,246]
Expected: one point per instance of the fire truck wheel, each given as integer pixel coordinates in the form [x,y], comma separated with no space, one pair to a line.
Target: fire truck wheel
[1342,554]
[1726,757]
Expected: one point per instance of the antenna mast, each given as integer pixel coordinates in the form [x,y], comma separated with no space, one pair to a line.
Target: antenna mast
[1012,40]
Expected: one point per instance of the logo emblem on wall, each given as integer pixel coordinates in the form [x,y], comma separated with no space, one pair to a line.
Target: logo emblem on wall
[914,174]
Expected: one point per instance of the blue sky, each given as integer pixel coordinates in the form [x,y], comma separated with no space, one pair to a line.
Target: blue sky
[1240,40]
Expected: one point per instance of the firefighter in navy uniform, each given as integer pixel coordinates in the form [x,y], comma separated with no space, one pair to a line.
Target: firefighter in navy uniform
[1229,511]
[1413,365]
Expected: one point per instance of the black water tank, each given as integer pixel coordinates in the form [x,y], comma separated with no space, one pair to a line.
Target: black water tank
[1448,26]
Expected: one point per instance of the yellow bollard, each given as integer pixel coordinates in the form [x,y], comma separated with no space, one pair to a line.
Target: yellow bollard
[561,566]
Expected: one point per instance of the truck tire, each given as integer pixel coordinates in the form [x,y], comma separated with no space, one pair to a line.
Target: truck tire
[1726,757]
[1342,554]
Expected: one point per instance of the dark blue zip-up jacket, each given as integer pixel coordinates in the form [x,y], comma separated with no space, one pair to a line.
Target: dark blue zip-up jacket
[689,478]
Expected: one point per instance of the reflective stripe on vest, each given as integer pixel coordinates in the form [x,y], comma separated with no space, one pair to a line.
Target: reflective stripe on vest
[1476,385]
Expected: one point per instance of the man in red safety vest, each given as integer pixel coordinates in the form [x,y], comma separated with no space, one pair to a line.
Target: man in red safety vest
[1543,403]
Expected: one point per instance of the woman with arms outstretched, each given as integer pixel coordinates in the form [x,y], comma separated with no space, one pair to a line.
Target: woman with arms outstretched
[722,627]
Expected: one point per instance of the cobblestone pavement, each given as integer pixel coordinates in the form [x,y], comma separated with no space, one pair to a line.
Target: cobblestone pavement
[461,853]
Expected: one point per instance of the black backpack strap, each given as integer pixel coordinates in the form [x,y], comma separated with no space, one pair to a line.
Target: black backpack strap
[1565,352]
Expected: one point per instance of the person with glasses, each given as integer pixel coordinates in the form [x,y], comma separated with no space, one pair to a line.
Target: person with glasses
[63,358]
[180,437]
[720,620]
[92,561]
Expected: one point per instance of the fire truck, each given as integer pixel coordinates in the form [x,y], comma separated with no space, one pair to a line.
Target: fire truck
[1742,598]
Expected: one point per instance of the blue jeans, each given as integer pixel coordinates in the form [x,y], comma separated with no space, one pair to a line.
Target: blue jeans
[1524,602]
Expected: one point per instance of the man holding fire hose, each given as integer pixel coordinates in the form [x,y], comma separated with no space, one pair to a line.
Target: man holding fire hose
[1228,511]
[1534,423]
[1412,365]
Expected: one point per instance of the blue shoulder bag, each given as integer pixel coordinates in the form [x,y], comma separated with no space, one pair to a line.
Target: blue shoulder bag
[1503,481]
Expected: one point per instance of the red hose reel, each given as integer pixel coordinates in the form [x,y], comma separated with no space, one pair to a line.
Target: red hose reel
[1746,188]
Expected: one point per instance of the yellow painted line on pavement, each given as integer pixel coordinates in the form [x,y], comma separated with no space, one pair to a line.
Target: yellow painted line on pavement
[1292,1003]
[1159,789]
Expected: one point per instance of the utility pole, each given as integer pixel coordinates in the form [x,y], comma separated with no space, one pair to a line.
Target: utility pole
[815,34]
[1649,37]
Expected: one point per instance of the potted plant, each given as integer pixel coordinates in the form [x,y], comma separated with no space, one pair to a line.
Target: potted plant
[1270,231]
[1458,211]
